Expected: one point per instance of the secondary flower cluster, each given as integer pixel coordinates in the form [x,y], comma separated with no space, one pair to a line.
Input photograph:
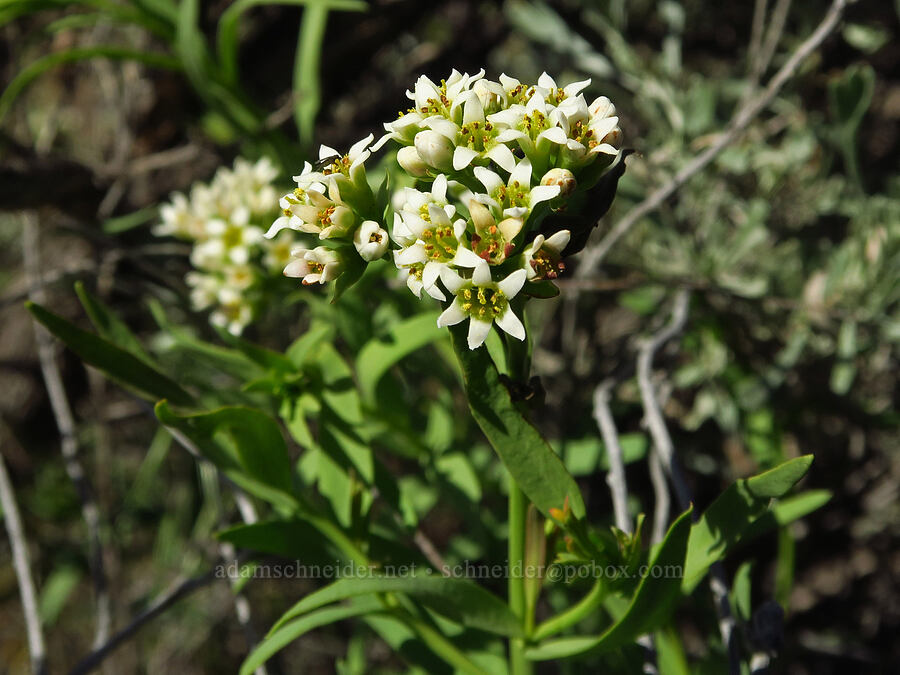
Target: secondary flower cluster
[231,258]
[490,161]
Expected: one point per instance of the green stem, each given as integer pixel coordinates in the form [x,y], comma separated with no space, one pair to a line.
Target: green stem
[440,645]
[518,508]
[571,616]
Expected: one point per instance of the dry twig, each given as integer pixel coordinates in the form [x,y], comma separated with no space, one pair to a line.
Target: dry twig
[22,567]
[594,255]
[65,422]
[663,446]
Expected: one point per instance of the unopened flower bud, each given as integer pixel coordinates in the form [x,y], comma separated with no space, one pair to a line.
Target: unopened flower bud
[408,158]
[435,150]
[370,240]
[564,178]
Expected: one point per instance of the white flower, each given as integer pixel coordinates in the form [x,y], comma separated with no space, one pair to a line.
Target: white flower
[412,275]
[515,197]
[370,240]
[180,219]
[204,289]
[556,95]
[484,302]
[278,251]
[542,257]
[438,243]
[312,212]
[492,241]
[532,127]
[319,265]
[233,313]
[587,134]
[475,140]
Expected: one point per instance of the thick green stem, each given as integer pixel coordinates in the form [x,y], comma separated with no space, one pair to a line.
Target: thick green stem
[440,645]
[518,508]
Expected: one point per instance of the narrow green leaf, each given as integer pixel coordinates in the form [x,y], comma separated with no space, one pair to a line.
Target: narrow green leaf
[227,42]
[649,609]
[214,356]
[292,539]
[733,512]
[114,361]
[538,471]
[254,441]
[457,599]
[37,68]
[379,354]
[109,325]
[278,640]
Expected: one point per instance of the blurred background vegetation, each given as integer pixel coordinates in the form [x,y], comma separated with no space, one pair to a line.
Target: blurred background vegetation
[789,243]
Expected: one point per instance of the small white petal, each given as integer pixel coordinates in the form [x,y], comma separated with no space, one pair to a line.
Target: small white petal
[478,332]
[326,152]
[430,273]
[481,275]
[451,279]
[453,315]
[511,285]
[489,179]
[503,156]
[462,157]
[558,241]
[359,146]
[510,323]
[466,258]
[546,81]
[554,135]
[543,193]
[472,110]
[439,188]
[521,173]
[435,293]
[576,87]
[412,255]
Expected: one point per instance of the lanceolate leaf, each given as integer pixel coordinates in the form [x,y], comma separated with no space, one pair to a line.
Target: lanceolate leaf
[110,326]
[245,443]
[733,512]
[379,354]
[460,600]
[115,362]
[538,471]
[281,638]
[654,599]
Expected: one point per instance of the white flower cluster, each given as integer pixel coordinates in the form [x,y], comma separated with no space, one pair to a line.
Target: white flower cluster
[491,160]
[230,256]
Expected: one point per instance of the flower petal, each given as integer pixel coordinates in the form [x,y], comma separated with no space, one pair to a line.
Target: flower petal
[488,178]
[466,258]
[462,157]
[451,279]
[509,322]
[511,285]
[430,273]
[481,275]
[503,156]
[522,173]
[543,193]
[478,332]
[453,315]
